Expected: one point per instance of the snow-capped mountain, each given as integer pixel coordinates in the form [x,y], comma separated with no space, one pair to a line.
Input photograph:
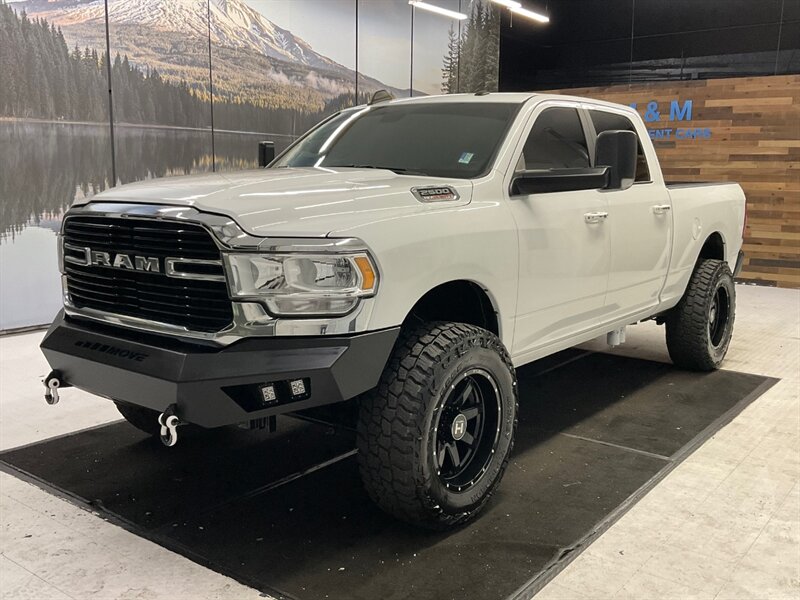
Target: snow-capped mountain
[253,57]
[234,24]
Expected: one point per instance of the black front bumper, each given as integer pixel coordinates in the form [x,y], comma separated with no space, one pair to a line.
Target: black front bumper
[214,386]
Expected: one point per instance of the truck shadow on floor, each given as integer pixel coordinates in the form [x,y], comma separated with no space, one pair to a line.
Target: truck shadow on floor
[286,512]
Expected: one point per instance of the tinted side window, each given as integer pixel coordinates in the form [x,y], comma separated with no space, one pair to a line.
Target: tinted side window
[606,121]
[556,141]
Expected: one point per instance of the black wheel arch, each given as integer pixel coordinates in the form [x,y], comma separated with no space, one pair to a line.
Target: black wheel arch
[713,248]
[460,301]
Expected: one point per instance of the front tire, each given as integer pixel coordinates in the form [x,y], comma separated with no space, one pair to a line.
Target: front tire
[434,437]
[700,327]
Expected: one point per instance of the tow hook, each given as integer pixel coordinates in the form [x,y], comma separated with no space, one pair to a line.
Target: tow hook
[52,382]
[169,422]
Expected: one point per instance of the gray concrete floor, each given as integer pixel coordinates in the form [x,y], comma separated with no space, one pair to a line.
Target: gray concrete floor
[724,524]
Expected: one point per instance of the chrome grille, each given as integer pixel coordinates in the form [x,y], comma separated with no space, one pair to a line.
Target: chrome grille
[197,304]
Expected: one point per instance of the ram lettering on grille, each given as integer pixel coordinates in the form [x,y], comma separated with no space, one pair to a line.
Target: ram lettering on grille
[123,261]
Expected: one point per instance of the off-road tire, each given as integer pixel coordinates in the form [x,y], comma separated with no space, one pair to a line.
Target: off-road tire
[690,327]
[144,419]
[398,420]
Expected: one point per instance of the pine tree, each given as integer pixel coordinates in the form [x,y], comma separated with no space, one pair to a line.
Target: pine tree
[450,68]
[470,49]
[491,56]
[478,51]
[475,53]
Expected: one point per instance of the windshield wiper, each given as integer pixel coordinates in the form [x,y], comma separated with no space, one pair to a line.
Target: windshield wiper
[398,170]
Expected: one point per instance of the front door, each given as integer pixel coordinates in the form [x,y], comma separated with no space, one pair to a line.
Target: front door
[563,239]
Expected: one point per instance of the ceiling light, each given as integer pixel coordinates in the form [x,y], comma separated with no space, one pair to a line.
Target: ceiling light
[508,3]
[530,14]
[437,9]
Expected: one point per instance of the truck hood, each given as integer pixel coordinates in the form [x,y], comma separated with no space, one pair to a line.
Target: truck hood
[302,202]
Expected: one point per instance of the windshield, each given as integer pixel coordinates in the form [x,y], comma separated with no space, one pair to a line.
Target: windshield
[439,139]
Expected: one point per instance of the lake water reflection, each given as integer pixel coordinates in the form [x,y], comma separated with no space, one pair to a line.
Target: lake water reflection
[44,167]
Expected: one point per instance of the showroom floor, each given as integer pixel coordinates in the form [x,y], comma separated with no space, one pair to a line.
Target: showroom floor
[725,523]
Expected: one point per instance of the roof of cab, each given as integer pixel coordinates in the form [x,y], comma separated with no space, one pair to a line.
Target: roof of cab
[478,98]
[501,97]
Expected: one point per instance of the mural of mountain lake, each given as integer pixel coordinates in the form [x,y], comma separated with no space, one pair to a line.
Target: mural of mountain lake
[44,167]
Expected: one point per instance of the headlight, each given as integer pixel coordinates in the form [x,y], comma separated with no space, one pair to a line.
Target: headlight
[303,284]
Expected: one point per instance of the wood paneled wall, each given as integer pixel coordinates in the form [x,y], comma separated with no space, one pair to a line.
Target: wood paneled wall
[755,140]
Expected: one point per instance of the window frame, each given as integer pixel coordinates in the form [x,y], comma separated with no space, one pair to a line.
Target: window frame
[589,140]
[587,110]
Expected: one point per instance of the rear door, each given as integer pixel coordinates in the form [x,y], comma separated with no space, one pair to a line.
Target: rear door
[564,256]
[640,229]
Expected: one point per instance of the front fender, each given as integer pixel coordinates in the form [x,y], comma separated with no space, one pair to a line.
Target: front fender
[418,252]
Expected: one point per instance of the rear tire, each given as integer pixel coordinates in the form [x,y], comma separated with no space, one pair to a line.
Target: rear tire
[434,437]
[144,419]
[700,327]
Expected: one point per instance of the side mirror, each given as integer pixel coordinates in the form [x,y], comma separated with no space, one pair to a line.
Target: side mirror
[266,153]
[543,181]
[617,150]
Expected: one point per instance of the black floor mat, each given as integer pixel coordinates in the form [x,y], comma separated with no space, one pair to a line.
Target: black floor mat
[286,513]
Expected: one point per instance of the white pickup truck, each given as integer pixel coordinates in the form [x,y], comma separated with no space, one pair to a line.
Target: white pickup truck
[407,254]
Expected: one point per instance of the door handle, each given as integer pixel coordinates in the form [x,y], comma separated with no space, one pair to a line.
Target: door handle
[660,209]
[595,217]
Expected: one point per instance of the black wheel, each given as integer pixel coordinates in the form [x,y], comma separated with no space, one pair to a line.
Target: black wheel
[144,419]
[699,328]
[434,437]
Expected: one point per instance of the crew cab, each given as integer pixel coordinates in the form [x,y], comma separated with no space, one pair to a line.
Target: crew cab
[405,255]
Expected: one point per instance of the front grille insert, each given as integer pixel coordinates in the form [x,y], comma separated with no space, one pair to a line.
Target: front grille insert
[144,291]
